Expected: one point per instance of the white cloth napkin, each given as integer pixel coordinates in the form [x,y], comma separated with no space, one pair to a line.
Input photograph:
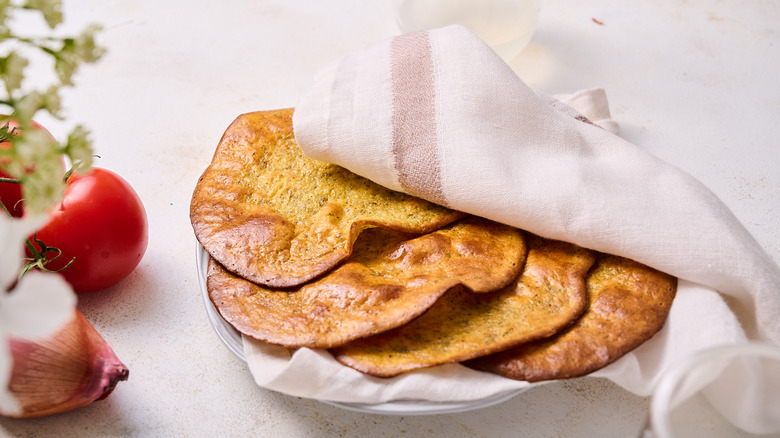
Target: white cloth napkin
[439,115]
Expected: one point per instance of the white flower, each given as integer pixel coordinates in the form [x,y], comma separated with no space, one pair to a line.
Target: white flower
[37,306]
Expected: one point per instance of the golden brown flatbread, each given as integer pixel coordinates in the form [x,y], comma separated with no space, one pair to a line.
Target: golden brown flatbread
[461,325]
[271,215]
[629,303]
[389,279]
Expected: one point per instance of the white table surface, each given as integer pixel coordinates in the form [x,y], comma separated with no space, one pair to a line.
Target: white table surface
[693,82]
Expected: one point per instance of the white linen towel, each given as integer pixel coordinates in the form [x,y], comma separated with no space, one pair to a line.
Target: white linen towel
[439,115]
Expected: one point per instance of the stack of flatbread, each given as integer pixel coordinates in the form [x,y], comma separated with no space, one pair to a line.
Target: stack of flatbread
[305,253]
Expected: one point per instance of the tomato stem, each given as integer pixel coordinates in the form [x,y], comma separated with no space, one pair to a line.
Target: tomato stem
[6,131]
[39,259]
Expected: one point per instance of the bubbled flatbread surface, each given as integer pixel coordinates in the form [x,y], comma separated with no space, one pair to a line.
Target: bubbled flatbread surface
[389,279]
[269,214]
[461,325]
[628,304]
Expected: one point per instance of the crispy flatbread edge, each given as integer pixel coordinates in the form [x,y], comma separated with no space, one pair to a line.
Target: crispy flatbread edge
[626,348]
[214,267]
[328,264]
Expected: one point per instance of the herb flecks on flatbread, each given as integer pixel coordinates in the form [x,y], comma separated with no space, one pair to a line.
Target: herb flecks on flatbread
[461,325]
[275,217]
[390,279]
[629,302]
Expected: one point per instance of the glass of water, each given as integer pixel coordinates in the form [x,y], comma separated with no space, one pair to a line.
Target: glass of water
[505,25]
[726,391]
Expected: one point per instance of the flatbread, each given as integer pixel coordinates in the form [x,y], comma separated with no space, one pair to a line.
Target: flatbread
[389,279]
[629,303]
[273,216]
[461,325]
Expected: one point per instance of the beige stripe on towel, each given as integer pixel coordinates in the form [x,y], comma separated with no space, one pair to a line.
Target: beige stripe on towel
[414,143]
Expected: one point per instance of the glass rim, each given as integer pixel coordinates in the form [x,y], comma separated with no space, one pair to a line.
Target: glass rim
[671,378]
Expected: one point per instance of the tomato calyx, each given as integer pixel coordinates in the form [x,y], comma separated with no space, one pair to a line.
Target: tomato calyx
[7,132]
[39,256]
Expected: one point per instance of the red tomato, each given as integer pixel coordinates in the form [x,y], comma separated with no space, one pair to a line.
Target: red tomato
[11,193]
[101,225]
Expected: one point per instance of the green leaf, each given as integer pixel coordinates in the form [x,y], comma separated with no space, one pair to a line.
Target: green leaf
[51,10]
[12,70]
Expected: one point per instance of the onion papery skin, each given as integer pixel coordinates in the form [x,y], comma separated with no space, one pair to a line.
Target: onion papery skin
[68,370]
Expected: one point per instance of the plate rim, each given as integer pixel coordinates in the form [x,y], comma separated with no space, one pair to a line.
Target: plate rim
[232,339]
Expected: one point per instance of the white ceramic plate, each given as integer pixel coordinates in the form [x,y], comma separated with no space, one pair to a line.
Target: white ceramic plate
[232,340]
